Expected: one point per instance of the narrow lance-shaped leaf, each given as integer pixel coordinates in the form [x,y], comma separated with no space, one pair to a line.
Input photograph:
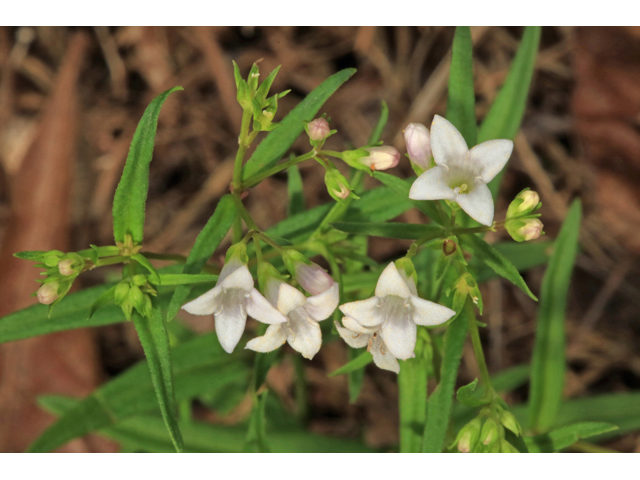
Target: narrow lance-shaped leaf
[153,336]
[505,115]
[564,437]
[276,144]
[131,194]
[548,363]
[206,244]
[495,260]
[410,231]
[461,100]
[412,403]
[295,190]
[439,404]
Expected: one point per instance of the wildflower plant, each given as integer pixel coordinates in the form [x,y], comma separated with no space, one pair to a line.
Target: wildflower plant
[411,315]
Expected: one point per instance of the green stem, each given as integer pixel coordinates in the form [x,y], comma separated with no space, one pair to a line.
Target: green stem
[110,261]
[243,144]
[244,214]
[331,153]
[479,354]
[256,179]
[464,231]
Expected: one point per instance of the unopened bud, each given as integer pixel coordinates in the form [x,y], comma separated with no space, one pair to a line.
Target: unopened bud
[121,292]
[509,421]
[136,297]
[65,267]
[468,435]
[313,278]
[506,447]
[337,185]
[525,202]
[532,229]
[489,433]
[318,129]
[418,141]
[381,158]
[48,293]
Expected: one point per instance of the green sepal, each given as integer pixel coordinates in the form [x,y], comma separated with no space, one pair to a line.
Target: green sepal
[467,395]
[102,300]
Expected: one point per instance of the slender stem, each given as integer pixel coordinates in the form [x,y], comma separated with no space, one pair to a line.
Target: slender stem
[244,213]
[413,249]
[243,144]
[256,242]
[463,231]
[110,261]
[169,257]
[256,179]
[479,354]
[331,153]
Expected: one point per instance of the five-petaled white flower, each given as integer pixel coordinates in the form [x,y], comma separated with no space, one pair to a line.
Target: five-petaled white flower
[230,301]
[301,330]
[396,310]
[358,336]
[461,174]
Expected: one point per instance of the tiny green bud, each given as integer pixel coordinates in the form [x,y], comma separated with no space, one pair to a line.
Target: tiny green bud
[337,185]
[48,293]
[506,447]
[136,297]
[147,307]
[139,280]
[52,257]
[509,421]
[468,435]
[239,251]
[121,292]
[489,433]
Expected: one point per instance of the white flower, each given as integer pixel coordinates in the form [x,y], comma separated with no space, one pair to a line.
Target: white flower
[461,174]
[230,301]
[358,336]
[301,330]
[396,309]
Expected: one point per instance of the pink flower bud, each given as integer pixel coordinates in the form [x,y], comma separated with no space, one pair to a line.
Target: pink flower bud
[48,293]
[381,158]
[532,229]
[313,278]
[66,266]
[418,141]
[318,129]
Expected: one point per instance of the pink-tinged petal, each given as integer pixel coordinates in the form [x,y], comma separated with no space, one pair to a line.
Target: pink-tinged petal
[399,335]
[478,204]
[365,312]
[289,298]
[432,185]
[492,156]
[428,313]
[304,336]
[239,278]
[382,357]
[260,309]
[205,304]
[323,305]
[446,141]
[353,339]
[273,338]
[416,137]
[391,283]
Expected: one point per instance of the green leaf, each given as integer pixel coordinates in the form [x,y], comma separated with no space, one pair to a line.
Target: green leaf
[411,231]
[494,259]
[461,100]
[200,367]
[149,434]
[355,378]
[256,441]
[361,361]
[382,122]
[276,143]
[523,256]
[505,115]
[412,403]
[206,244]
[401,188]
[295,189]
[185,279]
[102,300]
[564,437]
[548,363]
[439,404]
[131,194]
[153,336]
[142,260]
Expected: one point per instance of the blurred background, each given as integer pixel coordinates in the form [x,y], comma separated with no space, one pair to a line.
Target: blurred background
[70,100]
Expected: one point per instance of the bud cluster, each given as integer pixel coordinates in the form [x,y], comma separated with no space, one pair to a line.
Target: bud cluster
[134,292]
[521,221]
[486,432]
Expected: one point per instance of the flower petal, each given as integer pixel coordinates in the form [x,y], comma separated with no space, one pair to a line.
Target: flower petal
[391,283]
[239,278]
[205,304]
[304,336]
[429,313]
[353,339]
[446,141]
[323,305]
[478,204]
[260,309]
[273,338]
[492,156]
[230,322]
[290,298]
[354,326]
[432,185]
[365,312]
[399,335]
[382,357]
